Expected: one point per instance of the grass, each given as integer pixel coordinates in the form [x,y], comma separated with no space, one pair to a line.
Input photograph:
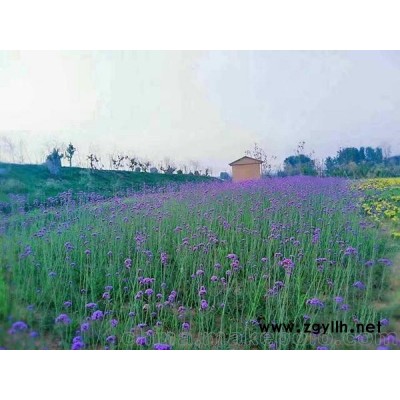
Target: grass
[215,256]
[36,182]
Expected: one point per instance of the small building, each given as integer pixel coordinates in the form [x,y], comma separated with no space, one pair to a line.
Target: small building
[246,168]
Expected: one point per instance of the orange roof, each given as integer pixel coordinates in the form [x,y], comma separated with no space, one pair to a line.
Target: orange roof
[246,160]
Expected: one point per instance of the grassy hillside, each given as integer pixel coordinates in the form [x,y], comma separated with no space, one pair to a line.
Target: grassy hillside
[36,182]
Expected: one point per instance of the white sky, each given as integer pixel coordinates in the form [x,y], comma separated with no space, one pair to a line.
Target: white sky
[205,106]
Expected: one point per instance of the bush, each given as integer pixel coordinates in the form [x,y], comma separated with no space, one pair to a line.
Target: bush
[224,176]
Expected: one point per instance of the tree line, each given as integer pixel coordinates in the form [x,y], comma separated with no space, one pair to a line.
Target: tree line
[350,162]
[123,162]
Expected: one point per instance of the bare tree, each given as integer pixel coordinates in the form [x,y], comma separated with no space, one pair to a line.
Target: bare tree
[387,151]
[94,162]
[300,148]
[118,161]
[69,153]
[145,165]
[133,163]
[258,153]
[8,146]
[21,152]
[195,165]
[319,166]
[208,171]
[168,167]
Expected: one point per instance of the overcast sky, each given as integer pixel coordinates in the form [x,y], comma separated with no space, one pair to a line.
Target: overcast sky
[205,106]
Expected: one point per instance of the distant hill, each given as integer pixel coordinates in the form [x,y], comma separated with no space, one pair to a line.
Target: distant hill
[36,182]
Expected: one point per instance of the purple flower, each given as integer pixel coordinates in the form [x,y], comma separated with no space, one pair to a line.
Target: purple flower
[369,263]
[315,302]
[128,263]
[235,264]
[202,291]
[87,252]
[199,272]
[338,299]
[359,285]
[63,319]
[77,345]
[385,261]
[52,274]
[27,252]
[181,309]
[149,332]
[19,326]
[111,339]
[186,326]
[217,265]
[131,314]
[68,246]
[97,315]
[288,265]
[141,341]
[278,286]
[214,278]
[85,326]
[322,348]
[67,304]
[316,235]
[172,296]
[384,322]
[146,281]
[345,307]
[114,323]
[164,258]
[162,346]
[264,259]
[232,256]
[148,292]
[106,295]
[33,334]
[203,304]
[350,251]
[91,305]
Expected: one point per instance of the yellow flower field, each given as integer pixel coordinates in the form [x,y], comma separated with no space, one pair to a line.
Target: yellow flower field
[383,203]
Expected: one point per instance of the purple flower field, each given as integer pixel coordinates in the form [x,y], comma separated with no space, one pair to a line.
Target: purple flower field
[194,268]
